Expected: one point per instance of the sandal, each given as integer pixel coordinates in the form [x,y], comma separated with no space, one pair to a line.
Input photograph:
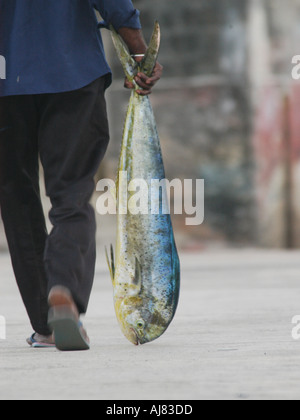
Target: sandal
[35,344]
[64,321]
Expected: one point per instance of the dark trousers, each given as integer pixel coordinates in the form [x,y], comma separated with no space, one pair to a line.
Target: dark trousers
[69,131]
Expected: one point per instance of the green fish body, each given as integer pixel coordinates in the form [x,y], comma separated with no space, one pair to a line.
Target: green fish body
[145,269]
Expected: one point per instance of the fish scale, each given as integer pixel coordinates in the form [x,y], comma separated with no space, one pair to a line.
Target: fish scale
[145,267]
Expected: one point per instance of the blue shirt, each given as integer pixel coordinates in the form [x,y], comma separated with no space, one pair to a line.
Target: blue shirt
[53,46]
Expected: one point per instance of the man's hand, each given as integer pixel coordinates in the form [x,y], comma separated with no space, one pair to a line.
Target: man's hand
[136,44]
[145,82]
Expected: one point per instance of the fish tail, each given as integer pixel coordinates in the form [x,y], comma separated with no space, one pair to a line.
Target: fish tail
[151,56]
[128,63]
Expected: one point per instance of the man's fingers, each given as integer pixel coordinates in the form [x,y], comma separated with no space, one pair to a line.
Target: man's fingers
[128,85]
[144,92]
[157,73]
[146,89]
[143,82]
[148,81]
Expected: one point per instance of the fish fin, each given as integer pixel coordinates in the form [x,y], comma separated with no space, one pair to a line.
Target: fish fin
[138,275]
[111,265]
[129,64]
[151,56]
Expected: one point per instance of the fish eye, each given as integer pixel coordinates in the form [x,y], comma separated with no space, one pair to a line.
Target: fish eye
[140,324]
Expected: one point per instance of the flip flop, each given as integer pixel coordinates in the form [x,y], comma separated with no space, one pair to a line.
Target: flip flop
[69,333]
[39,344]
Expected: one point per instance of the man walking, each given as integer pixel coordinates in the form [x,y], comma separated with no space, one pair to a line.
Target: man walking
[52,105]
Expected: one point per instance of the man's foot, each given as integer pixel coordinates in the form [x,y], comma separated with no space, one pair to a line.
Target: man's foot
[38,341]
[69,334]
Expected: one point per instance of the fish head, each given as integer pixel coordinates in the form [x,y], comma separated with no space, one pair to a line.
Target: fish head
[143,315]
[147,326]
[139,325]
[128,317]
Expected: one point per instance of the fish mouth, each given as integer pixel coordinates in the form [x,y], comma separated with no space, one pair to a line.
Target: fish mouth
[143,341]
[135,340]
[138,341]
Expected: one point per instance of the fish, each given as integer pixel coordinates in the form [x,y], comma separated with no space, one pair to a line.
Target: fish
[145,266]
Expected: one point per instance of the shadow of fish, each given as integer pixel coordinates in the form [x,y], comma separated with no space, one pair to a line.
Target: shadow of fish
[145,269]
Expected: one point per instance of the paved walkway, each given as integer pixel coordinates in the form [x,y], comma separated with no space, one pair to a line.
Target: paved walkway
[231,338]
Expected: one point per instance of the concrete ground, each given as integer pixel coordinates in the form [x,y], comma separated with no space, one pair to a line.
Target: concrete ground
[231,338]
